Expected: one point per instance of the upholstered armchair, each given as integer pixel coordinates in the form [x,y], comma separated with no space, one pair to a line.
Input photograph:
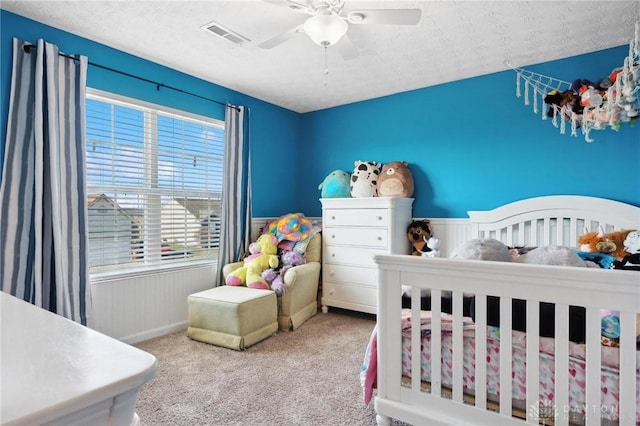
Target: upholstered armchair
[300,301]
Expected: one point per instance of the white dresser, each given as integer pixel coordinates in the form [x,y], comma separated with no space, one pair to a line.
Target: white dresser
[354,230]
[58,372]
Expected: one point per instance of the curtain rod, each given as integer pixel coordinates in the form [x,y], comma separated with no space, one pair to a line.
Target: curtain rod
[28,47]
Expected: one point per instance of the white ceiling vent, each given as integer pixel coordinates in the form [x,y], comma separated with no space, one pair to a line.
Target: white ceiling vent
[225,33]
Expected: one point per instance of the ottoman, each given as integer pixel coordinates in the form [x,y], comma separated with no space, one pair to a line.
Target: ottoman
[232,317]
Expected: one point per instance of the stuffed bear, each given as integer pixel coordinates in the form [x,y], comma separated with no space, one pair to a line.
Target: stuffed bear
[421,239]
[364,179]
[336,185]
[263,255]
[395,180]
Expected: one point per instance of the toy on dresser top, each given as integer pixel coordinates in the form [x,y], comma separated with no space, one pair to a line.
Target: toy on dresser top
[364,179]
[335,185]
[395,180]
[369,179]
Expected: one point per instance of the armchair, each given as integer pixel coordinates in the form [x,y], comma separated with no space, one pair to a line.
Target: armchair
[300,301]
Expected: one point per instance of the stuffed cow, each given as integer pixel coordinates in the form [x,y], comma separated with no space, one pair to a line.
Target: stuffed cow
[364,179]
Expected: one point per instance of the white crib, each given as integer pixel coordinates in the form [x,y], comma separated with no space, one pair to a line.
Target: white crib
[551,220]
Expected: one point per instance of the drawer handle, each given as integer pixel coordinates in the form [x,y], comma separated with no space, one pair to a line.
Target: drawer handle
[333,236]
[379,238]
[333,255]
[379,217]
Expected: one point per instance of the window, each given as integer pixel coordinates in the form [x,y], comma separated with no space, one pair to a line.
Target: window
[154,184]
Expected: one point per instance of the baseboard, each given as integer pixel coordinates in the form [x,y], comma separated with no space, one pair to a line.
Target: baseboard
[150,334]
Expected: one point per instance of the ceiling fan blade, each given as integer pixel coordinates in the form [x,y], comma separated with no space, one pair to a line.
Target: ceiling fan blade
[346,48]
[385,16]
[297,5]
[280,38]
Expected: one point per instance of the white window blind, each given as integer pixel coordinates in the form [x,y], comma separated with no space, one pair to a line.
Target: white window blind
[154,179]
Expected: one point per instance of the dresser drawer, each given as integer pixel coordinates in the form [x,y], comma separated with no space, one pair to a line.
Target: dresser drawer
[368,237]
[350,256]
[356,217]
[350,274]
[346,293]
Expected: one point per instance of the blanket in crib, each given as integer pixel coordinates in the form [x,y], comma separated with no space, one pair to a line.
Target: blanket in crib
[609,372]
[369,370]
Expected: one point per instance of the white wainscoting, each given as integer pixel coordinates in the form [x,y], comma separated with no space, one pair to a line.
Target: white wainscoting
[136,308]
[451,233]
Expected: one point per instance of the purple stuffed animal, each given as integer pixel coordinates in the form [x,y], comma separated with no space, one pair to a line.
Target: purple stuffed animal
[289,259]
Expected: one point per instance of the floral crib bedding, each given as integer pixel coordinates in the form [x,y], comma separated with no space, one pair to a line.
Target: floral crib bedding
[575,411]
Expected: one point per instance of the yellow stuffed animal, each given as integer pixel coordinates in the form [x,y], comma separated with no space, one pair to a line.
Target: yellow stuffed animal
[263,256]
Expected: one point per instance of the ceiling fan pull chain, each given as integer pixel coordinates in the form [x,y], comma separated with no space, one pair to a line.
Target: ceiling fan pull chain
[326,67]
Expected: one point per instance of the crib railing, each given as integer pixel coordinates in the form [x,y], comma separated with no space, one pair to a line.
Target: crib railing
[590,288]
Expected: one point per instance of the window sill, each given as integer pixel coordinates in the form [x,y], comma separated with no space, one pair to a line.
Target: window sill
[108,276]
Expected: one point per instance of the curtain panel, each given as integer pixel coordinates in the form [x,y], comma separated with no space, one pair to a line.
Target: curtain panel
[235,235]
[43,214]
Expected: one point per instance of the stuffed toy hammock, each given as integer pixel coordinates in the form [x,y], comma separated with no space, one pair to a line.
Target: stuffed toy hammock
[609,102]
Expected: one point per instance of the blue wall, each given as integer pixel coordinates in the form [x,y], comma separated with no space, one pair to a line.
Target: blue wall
[470,144]
[273,129]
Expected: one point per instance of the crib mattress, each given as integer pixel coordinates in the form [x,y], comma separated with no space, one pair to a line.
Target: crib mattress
[576,409]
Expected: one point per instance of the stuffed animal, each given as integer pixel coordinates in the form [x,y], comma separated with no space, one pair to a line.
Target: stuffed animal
[419,234]
[492,249]
[434,245]
[290,227]
[482,249]
[336,185]
[276,278]
[263,256]
[611,243]
[610,328]
[364,179]
[563,102]
[395,180]
[632,259]
[551,255]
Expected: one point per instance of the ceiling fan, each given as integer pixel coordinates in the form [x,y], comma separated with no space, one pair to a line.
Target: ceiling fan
[328,26]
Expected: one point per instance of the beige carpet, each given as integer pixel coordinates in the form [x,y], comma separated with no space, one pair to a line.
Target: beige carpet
[306,377]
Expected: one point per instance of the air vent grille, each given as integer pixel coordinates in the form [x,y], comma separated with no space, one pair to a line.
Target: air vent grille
[225,33]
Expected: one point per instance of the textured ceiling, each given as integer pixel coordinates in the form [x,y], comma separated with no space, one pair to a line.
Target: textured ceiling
[454,40]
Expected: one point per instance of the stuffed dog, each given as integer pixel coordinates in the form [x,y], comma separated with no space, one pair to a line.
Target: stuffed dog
[418,234]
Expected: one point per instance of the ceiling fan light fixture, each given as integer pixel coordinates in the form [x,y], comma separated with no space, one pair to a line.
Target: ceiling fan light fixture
[325,29]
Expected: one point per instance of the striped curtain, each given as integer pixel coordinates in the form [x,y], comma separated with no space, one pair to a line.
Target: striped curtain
[236,191]
[43,214]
